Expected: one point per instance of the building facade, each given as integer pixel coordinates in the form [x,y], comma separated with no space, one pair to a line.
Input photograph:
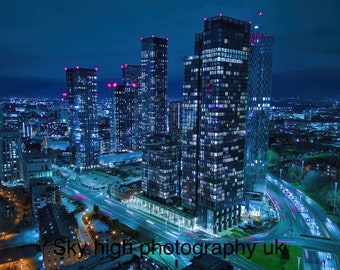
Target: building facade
[81,85]
[160,168]
[214,117]
[11,161]
[58,230]
[36,165]
[153,84]
[131,76]
[258,112]
[175,118]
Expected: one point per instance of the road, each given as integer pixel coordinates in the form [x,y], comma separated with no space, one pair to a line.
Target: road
[319,236]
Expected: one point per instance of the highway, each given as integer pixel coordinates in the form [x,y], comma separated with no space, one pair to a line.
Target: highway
[301,222]
[292,209]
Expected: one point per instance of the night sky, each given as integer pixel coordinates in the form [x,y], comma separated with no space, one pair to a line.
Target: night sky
[39,38]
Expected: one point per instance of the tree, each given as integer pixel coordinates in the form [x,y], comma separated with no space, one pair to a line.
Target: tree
[285,253]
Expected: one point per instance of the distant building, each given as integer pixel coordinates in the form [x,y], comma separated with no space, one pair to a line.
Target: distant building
[160,168]
[153,84]
[214,105]
[258,112]
[56,224]
[131,76]
[175,118]
[1,118]
[27,130]
[11,163]
[123,117]
[83,116]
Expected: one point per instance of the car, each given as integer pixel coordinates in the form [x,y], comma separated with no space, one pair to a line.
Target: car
[329,256]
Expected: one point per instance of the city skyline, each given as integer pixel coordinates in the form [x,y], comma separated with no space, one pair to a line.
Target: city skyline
[305,64]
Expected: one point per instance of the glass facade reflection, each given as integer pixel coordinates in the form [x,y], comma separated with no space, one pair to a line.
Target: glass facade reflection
[214,117]
[258,110]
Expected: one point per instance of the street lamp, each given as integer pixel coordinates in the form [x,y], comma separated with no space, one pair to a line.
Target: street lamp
[280,174]
[298,258]
[334,206]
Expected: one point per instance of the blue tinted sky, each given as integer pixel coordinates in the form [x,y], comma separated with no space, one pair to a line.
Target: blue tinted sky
[39,38]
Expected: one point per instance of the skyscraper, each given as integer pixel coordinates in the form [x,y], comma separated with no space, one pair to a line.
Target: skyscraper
[81,85]
[122,122]
[131,75]
[125,110]
[154,69]
[160,165]
[214,105]
[11,162]
[258,106]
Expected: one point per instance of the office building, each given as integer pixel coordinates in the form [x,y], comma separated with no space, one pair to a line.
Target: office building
[214,117]
[83,117]
[153,84]
[160,168]
[258,111]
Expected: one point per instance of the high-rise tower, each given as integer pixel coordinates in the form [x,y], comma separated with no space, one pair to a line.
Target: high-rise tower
[81,85]
[154,69]
[11,162]
[160,165]
[131,75]
[258,106]
[214,106]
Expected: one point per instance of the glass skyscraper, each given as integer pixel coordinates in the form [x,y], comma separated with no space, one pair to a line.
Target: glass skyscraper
[160,165]
[214,117]
[131,75]
[154,70]
[81,86]
[258,106]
